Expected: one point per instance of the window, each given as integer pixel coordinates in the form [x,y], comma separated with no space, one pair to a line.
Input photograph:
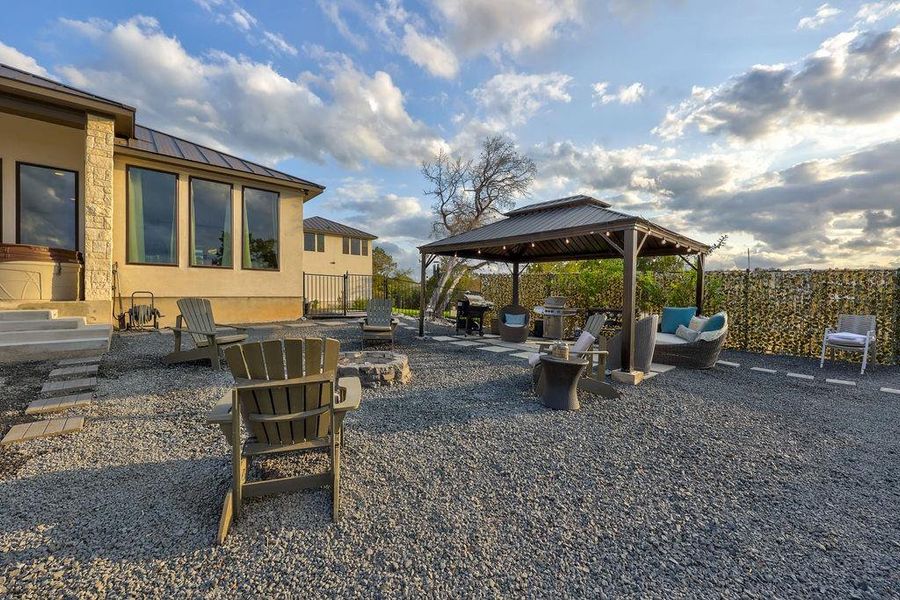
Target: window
[47,207]
[346,245]
[365,247]
[314,242]
[210,224]
[152,217]
[259,244]
[354,246]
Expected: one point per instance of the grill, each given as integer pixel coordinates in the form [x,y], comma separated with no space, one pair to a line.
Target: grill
[470,311]
[553,311]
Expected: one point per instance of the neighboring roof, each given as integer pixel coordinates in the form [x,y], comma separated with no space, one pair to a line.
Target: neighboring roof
[329,227]
[41,88]
[577,227]
[157,142]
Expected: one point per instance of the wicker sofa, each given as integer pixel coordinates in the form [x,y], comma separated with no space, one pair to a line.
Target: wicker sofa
[699,354]
[513,333]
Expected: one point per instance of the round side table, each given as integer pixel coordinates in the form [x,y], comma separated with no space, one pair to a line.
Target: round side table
[561,382]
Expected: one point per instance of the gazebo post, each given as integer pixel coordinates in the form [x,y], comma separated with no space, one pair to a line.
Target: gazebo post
[629,256]
[422,299]
[701,259]
[515,284]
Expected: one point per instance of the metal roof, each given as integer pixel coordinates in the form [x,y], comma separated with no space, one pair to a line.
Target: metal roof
[30,78]
[577,227]
[329,227]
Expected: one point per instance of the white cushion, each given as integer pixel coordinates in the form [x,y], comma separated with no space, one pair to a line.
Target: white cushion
[514,325]
[847,339]
[534,359]
[583,342]
[669,338]
[708,336]
[697,323]
[688,335]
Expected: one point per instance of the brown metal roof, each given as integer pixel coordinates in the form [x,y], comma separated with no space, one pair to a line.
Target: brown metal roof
[577,227]
[36,80]
[157,142]
[329,227]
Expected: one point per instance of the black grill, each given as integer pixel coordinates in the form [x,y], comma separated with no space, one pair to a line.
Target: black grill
[470,311]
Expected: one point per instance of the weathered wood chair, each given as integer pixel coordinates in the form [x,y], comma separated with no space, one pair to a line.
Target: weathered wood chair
[286,396]
[594,379]
[854,333]
[196,319]
[378,323]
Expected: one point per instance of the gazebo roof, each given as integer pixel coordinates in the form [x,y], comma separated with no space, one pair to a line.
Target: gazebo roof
[572,228]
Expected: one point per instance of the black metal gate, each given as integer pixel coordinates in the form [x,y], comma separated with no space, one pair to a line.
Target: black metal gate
[348,294]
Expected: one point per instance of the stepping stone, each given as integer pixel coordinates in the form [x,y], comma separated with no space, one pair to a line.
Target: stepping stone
[466,344]
[333,323]
[658,368]
[762,370]
[69,385]
[525,355]
[79,361]
[800,376]
[495,349]
[60,403]
[443,338]
[299,325]
[888,390]
[726,363]
[840,382]
[75,370]
[41,429]
[491,335]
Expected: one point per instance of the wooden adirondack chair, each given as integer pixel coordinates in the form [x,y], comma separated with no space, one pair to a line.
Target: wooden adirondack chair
[594,378]
[196,319]
[378,323]
[285,396]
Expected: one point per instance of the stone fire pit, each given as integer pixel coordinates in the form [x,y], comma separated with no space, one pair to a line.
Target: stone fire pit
[375,368]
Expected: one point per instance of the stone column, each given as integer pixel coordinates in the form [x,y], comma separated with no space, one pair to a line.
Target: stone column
[98,207]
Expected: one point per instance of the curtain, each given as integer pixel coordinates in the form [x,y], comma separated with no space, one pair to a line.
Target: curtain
[227,250]
[173,235]
[192,259]
[275,237]
[136,251]
[245,242]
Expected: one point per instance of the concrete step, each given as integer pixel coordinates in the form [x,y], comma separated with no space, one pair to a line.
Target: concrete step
[42,325]
[71,348]
[55,335]
[28,315]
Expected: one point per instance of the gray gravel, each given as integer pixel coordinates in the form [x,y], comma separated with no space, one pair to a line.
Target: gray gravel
[723,483]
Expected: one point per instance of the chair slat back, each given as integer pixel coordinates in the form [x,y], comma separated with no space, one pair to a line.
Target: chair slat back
[594,324]
[859,324]
[378,312]
[199,316]
[289,414]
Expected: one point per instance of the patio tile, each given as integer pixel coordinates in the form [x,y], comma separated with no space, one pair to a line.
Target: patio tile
[726,363]
[763,370]
[75,370]
[465,344]
[495,349]
[800,376]
[525,355]
[333,323]
[59,403]
[79,361]
[840,382]
[888,390]
[658,368]
[443,338]
[69,385]
[491,335]
[40,429]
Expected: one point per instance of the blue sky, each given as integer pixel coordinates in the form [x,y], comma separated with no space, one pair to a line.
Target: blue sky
[773,122]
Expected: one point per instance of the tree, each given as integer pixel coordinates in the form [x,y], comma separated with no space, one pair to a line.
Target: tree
[384,265]
[469,193]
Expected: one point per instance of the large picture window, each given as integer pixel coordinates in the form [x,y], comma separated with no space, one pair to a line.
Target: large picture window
[152,217]
[210,224]
[47,206]
[259,244]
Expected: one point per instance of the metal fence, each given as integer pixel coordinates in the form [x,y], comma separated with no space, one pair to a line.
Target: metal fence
[347,294]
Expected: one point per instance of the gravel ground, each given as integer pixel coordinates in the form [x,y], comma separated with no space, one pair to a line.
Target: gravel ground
[726,483]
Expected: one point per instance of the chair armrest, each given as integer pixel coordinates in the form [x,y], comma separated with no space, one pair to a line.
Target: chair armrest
[231,326]
[261,384]
[221,412]
[871,334]
[350,392]
[186,330]
[591,352]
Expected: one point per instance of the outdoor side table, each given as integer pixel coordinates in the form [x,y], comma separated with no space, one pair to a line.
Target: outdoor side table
[561,382]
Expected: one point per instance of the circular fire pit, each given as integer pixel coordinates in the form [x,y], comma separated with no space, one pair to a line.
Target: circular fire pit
[375,368]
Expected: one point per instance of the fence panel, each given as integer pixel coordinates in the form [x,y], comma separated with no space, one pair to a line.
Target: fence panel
[342,295]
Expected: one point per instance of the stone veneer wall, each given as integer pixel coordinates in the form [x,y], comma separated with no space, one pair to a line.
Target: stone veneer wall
[98,207]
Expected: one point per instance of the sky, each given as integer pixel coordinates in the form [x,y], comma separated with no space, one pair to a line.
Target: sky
[774,122]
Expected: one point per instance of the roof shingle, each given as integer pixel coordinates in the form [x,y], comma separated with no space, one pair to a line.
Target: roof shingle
[329,227]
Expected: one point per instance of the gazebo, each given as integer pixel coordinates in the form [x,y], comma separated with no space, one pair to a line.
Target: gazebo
[572,228]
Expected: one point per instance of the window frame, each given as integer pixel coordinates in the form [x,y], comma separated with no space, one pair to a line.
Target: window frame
[177,262]
[19,165]
[320,247]
[364,247]
[191,225]
[345,245]
[305,233]
[244,189]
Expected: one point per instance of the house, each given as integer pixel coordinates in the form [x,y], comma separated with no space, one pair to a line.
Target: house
[332,248]
[90,198]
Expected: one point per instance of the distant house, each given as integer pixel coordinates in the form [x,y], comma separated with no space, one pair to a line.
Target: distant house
[84,188]
[332,248]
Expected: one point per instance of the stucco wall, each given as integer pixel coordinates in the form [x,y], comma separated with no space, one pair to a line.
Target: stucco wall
[29,140]
[230,290]
[334,262]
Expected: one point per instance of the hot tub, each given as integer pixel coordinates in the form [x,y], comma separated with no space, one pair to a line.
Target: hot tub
[39,273]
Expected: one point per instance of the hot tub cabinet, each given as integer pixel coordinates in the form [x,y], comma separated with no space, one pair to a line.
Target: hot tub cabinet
[39,273]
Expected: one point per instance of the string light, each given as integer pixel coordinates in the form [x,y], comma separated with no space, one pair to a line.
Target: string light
[504,247]
[567,240]
[532,244]
[664,242]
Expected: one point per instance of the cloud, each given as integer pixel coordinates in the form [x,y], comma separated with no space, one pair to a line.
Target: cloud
[332,10]
[248,107]
[388,215]
[514,98]
[627,94]
[430,53]
[853,78]
[12,57]
[231,13]
[824,14]
[276,43]
[873,12]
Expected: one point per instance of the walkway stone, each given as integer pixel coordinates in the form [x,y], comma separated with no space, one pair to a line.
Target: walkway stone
[75,370]
[465,343]
[59,403]
[840,382]
[800,376]
[888,390]
[41,429]
[726,363]
[80,361]
[495,349]
[763,370]
[69,385]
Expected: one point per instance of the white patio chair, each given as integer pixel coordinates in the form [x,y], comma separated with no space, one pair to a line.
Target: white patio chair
[854,333]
